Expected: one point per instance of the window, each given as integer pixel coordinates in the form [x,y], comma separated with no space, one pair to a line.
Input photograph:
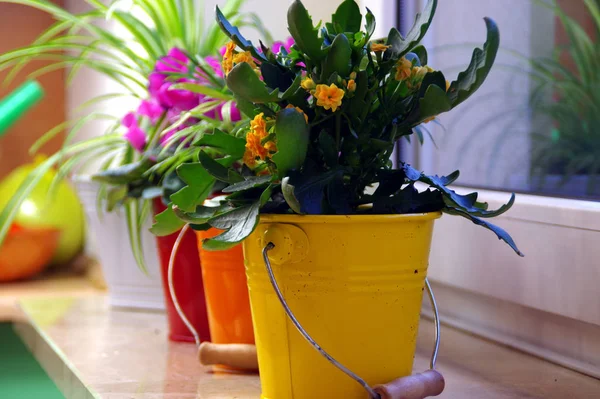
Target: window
[546,303]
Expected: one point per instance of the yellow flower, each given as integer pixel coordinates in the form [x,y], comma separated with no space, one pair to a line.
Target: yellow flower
[244,57]
[378,47]
[227,63]
[329,97]
[418,73]
[351,85]
[249,158]
[299,110]
[254,146]
[403,69]
[308,84]
[447,85]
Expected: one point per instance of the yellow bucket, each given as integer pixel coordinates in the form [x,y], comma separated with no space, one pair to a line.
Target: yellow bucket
[355,283]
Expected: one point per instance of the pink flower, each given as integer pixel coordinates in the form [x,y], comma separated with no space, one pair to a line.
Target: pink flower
[174,61]
[215,64]
[286,45]
[135,135]
[151,109]
[181,100]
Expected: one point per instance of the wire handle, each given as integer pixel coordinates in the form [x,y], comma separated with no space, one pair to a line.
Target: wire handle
[311,341]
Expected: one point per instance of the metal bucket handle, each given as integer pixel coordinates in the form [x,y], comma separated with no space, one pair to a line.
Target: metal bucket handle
[348,372]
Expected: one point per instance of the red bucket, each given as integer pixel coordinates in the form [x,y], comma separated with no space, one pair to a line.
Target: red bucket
[187,282]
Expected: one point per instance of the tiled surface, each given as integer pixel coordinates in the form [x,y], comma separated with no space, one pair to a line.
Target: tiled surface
[91,350]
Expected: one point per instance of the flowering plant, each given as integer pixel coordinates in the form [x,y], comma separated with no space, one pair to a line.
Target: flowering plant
[325,117]
[168,60]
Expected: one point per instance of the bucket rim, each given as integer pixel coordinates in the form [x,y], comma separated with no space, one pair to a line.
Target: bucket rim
[381,218]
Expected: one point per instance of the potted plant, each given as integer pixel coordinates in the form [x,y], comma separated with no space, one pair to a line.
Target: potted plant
[169,61]
[348,233]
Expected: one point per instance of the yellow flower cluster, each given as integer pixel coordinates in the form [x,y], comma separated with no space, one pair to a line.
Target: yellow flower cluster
[254,142]
[329,97]
[231,58]
[378,47]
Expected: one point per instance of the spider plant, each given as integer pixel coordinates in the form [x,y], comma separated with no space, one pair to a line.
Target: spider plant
[153,30]
[571,102]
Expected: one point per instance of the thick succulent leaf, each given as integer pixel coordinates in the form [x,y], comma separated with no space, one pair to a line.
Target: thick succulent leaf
[500,233]
[400,45]
[276,77]
[249,183]
[288,193]
[421,52]
[409,200]
[202,214]
[123,174]
[244,82]
[234,34]
[303,31]
[220,168]
[338,60]
[369,24]
[467,203]
[246,107]
[309,190]
[347,17]
[238,224]
[481,63]
[199,186]
[166,223]
[433,103]
[292,140]
[228,144]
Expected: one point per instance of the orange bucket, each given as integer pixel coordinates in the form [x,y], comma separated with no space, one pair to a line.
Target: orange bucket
[226,290]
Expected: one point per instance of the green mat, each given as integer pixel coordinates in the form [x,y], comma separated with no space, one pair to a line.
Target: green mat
[21,377]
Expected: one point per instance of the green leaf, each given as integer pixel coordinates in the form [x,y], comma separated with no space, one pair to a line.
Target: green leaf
[303,31]
[219,169]
[309,190]
[123,174]
[243,81]
[347,17]
[238,224]
[338,60]
[288,193]
[399,45]
[250,183]
[421,52]
[500,233]
[246,107]
[328,148]
[369,24]
[434,103]
[132,211]
[199,186]
[202,214]
[228,144]
[201,89]
[482,61]
[166,223]
[234,34]
[292,140]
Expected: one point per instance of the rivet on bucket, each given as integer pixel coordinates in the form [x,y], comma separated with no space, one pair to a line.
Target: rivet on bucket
[291,243]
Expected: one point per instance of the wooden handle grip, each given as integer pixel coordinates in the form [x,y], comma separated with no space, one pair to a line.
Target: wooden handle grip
[418,386]
[241,356]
